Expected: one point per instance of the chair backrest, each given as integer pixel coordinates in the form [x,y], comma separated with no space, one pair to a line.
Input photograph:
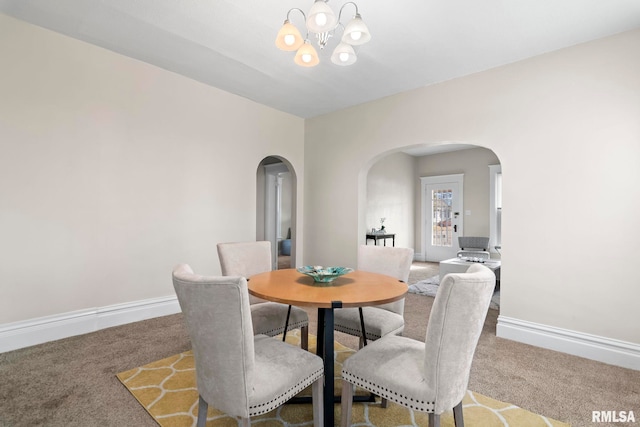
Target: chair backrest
[457,317]
[245,259]
[218,317]
[394,262]
[470,243]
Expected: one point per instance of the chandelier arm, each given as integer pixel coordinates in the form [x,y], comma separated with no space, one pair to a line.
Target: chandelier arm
[306,37]
[299,10]
[349,2]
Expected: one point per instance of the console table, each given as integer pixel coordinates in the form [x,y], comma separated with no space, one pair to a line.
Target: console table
[381,236]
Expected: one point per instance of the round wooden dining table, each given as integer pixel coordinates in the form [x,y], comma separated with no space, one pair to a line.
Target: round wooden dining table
[355,289]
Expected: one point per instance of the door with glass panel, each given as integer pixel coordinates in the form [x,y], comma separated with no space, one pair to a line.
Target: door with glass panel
[442,216]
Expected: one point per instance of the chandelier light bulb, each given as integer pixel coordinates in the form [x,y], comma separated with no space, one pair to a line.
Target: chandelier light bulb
[356,32]
[321,18]
[289,38]
[306,55]
[344,55]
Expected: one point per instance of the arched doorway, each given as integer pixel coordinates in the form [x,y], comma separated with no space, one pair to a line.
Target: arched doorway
[397,189]
[275,216]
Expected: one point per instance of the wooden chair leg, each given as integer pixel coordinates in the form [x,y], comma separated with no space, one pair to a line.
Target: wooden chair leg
[458,420]
[434,420]
[318,407]
[202,412]
[347,402]
[304,337]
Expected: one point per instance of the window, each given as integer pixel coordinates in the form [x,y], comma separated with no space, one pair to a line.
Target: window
[441,210]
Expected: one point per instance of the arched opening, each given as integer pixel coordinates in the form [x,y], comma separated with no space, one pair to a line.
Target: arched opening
[276,186]
[413,189]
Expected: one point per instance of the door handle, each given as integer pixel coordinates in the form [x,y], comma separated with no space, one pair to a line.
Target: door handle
[455,228]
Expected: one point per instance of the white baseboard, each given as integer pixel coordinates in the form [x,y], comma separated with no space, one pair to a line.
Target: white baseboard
[44,329]
[611,351]
[419,257]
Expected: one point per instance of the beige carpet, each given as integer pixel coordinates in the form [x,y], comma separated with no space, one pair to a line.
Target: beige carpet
[166,389]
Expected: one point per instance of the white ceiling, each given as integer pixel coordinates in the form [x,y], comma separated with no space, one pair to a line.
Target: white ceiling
[229,44]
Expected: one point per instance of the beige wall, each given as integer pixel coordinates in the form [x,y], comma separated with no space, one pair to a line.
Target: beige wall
[565,128]
[390,194]
[474,165]
[112,171]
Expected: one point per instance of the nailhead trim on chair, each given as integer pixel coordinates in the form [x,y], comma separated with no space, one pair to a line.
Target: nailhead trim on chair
[418,405]
[290,327]
[263,408]
[355,332]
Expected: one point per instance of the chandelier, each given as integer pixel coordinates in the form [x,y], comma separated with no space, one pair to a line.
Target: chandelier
[322,21]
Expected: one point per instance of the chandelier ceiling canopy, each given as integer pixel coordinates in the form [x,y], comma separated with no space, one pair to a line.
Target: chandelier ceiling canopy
[323,22]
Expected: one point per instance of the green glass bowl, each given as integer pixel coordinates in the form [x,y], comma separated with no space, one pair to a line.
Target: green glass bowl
[323,274]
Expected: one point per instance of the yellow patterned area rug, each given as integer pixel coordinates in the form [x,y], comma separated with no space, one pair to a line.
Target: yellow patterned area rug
[166,389]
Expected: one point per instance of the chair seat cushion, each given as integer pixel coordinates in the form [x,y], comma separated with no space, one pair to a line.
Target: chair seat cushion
[281,371]
[392,367]
[269,318]
[378,322]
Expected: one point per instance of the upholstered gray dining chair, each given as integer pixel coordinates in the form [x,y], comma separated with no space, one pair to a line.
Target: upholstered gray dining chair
[238,373]
[431,376]
[383,319]
[269,318]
